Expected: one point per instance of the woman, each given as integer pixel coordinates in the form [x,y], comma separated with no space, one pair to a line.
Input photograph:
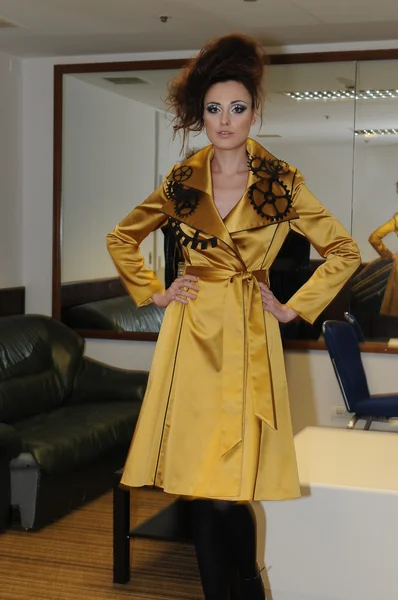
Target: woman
[389,305]
[215,422]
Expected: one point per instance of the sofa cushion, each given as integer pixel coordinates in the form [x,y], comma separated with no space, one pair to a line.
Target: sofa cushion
[39,358]
[28,383]
[118,314]
[72,436]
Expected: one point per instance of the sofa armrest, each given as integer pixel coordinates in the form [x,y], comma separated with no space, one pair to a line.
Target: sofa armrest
[10,442]
[98,382]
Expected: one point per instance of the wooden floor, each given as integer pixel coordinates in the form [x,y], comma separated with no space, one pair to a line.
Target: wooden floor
[72,559]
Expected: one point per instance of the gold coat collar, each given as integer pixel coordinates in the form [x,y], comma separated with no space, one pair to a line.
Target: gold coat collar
[267,199]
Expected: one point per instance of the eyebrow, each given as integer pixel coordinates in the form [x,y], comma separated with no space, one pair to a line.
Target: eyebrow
[233,102]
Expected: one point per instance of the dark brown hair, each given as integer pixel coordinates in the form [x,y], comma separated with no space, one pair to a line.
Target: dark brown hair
[234,57]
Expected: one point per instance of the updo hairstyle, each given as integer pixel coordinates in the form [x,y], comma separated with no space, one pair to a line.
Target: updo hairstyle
[233,57]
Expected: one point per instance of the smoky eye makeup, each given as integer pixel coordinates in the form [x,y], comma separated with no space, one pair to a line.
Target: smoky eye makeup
[239,107]
[212,108]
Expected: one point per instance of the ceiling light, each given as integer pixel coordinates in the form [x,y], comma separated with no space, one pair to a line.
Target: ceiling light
[374,132]
[346,94]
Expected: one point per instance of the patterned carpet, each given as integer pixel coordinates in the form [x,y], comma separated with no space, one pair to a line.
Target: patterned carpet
[72,559]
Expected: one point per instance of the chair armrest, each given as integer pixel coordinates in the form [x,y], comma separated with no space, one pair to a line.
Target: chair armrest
[98,382]
[10,442]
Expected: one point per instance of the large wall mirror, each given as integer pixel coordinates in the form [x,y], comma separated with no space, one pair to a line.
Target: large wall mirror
[333,117]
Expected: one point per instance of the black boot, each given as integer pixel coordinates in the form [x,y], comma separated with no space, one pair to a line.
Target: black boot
[234,578]
[210,546]
[235,588]
[252,589]
[242,528]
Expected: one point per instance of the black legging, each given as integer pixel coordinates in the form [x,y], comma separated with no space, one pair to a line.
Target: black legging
[224,535]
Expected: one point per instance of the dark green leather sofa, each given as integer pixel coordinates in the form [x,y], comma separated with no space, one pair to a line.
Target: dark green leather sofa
[114,314]
[10,446]
[66,421]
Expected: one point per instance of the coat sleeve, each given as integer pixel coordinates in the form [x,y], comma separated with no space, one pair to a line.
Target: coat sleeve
[124,246]
[333,242]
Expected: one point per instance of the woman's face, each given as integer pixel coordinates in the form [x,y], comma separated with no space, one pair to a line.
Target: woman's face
[228,114]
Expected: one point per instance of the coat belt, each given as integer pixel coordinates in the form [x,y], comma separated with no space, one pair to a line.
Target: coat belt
[244,346]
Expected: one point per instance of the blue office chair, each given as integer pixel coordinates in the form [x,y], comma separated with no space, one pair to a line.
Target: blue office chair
[349,317]
[342,344]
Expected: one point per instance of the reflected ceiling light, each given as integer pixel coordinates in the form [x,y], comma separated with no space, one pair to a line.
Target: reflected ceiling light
[374,132]
[346,94]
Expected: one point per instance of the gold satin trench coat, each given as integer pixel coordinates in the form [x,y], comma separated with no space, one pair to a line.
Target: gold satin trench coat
[215,421]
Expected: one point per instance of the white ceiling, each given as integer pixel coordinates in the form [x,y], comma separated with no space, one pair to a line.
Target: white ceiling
[78,27]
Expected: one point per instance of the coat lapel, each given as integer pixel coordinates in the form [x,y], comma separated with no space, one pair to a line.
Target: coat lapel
[190,197]
[267,199]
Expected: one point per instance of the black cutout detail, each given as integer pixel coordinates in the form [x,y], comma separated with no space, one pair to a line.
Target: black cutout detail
[186,240]
[182,173]
[267,166]
[270,204]
[186,200]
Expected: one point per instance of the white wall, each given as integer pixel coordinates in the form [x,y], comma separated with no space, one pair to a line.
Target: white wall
[37,120]
[169,149]
[108,168]
[314,390]
[37,174]
[10,172]
[327,169]
[375,196]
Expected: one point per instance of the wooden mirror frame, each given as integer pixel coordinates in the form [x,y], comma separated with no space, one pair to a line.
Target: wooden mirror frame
[61,70]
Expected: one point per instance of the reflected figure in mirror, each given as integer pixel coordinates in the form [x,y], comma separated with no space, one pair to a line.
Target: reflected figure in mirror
[374,289]
[389,263]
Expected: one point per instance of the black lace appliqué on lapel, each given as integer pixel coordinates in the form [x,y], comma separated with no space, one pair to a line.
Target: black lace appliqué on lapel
[267,166]
[270,197]
[186,240]
[185,199]
[182,173]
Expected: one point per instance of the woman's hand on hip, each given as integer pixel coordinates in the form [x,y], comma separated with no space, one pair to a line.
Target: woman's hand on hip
[283,313]
[181,290]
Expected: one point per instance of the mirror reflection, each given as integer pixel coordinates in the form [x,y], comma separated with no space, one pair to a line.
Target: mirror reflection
[374,289]
[118,145]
